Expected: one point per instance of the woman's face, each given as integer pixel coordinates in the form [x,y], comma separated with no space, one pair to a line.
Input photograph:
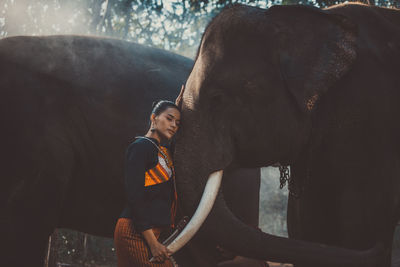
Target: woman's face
[167,122]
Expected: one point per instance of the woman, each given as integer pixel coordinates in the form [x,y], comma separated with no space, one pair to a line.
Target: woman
[151,194]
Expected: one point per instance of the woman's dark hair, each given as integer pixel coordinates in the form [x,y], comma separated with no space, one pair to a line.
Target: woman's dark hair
[160,106]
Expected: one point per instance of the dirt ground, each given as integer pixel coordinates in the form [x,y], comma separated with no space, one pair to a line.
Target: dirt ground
[274,264]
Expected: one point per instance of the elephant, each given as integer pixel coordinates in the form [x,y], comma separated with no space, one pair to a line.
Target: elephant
[314,89]
[70,106]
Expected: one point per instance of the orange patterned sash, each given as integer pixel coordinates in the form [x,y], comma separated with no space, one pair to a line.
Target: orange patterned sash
[162,172]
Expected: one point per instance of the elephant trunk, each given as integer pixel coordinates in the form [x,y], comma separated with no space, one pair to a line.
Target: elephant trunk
[231,233]
[225,229]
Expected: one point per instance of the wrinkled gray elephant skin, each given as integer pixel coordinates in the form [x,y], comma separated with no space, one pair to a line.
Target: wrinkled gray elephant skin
[314,89]
[70,105]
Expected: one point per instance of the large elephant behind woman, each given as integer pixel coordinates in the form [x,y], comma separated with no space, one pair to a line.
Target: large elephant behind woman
[314,89]
[69,107]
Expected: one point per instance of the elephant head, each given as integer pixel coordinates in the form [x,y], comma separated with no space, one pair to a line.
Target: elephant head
[249,102]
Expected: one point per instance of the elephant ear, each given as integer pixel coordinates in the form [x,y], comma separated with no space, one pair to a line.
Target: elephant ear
[178,100]
[316,49]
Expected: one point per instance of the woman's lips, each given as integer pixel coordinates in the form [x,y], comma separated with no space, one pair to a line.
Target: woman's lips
[171,132]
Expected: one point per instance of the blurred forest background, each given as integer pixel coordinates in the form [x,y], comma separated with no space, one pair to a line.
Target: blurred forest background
[174,25]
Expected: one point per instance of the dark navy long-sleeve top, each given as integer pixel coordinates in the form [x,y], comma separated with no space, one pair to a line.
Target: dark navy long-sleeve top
[147,206]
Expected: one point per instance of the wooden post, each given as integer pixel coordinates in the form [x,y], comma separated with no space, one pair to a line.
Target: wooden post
[46,260]
[85,246]
[52,250]
[50,259]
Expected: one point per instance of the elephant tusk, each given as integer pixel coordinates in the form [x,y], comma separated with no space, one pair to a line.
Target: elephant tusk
[206,203]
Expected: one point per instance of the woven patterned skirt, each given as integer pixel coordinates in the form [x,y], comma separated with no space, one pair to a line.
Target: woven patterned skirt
[131,248]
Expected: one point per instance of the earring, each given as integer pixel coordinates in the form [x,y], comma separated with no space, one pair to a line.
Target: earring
[153,128]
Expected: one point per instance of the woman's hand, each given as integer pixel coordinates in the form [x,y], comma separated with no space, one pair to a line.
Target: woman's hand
[159,252]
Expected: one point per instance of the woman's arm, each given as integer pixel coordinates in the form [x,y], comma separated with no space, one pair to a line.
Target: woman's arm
[138,156]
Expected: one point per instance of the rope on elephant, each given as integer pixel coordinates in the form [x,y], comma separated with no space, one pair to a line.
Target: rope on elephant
[285,177]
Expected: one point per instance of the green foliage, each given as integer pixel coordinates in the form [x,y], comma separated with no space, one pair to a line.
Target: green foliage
[173,25]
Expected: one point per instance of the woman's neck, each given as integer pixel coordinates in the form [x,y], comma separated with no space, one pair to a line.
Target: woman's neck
[154,135]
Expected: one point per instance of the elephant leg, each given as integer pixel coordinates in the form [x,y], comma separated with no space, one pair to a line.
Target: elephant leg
[293,218]
[293,210]
[296,198]
[351,203]
[301,219]
[313,215]
[24,242]
[310,213]
[25,235]
[388,243]
[39,164]
[31,215]
[371,216]
[365,235]
[241,189]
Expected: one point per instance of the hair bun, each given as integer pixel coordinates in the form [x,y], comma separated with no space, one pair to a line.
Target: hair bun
[155,103]
[160,105]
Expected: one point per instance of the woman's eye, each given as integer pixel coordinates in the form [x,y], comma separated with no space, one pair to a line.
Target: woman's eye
[169,119]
